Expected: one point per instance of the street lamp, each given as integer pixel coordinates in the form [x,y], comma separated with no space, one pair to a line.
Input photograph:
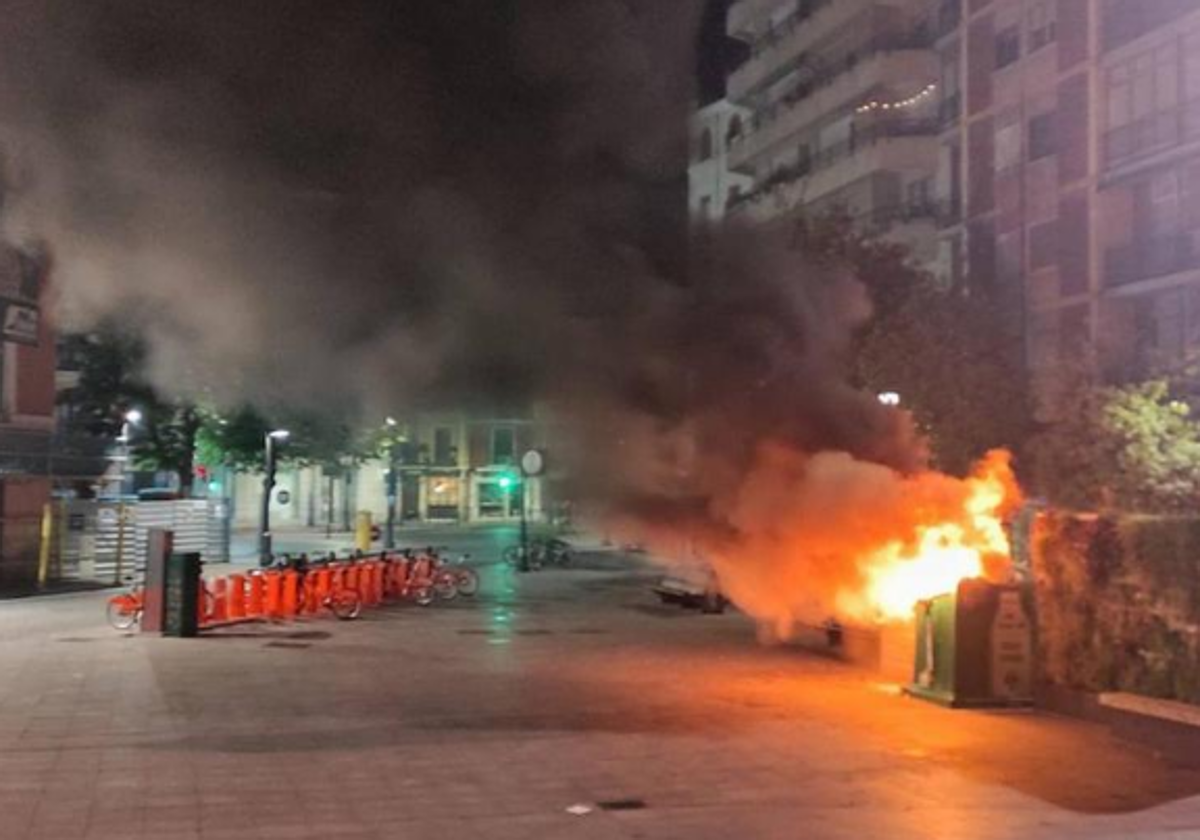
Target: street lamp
[131,418]
[393,481]
[889,398]
[264,539]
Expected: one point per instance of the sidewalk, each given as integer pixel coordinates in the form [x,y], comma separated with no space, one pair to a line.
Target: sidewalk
[501,718]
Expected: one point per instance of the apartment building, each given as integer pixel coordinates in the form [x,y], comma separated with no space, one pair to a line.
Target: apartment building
[1147,155]
[1079,164]
[843,113]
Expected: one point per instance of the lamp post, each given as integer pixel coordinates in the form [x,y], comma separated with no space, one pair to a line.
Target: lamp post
[393,483]
[131,418]
[264,538]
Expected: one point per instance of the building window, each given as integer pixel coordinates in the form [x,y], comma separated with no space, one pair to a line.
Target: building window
[1007,142]
[706,145]
[1008,46]
[1042,136]
[1142,105]
[1043,23]
[444,453]
[504,446]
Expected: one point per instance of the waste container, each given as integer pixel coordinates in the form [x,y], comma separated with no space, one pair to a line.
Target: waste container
[362,531]
[974,647]
[181,596]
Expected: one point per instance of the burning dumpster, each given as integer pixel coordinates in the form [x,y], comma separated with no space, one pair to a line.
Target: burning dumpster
[974,647]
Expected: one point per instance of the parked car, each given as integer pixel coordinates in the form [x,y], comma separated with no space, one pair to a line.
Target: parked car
[693,586]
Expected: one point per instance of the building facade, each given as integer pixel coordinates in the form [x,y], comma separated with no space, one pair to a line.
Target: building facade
[1045,150]
[27,397]
[1081,174]
[451,467]
[843,115]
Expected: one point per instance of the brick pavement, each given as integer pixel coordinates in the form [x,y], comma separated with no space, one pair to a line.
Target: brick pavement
[487,719]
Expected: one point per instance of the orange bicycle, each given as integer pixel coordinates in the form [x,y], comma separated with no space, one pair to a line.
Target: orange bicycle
[337,596]
[125,611]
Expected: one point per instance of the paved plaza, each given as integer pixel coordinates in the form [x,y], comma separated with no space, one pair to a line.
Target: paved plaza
[491,718]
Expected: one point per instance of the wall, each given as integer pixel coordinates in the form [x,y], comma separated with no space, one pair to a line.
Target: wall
[1118,604]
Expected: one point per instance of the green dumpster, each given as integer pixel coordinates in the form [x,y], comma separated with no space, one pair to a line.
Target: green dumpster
[974,647]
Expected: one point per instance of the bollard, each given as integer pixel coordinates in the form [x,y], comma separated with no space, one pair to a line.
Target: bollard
[350,577]
[220,600]
[376,578]
[237,596]
[289,602]
[254,604]
[324,584]
[274,592]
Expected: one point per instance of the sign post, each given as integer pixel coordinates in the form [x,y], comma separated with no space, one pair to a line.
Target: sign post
[532,464]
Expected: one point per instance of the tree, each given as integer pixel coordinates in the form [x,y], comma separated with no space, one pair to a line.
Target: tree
[1134,448]
[232,439]
[949,354]
[110,382]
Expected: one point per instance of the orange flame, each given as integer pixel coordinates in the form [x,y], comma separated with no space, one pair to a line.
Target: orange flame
[826,534]
[898,576]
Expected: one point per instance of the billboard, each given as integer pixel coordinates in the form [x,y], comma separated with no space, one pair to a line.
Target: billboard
[22,273]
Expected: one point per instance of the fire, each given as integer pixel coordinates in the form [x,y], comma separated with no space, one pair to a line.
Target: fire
[812,536]
[899,575]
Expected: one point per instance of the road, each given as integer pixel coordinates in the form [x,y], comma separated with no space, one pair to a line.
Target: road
[491,718]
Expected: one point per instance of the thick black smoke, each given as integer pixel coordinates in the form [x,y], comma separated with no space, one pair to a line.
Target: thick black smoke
[393,204]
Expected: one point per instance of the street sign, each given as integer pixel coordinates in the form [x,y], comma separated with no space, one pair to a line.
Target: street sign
[283,497]
[533,462]
[21,324]
[21,277]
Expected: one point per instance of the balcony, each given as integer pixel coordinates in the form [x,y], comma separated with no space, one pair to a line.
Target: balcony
[783,48]
[889,62]
[895,145]
[1154,133]
[1150,258]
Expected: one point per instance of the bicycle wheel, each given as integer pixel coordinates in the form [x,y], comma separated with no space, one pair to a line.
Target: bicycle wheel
[512,555]
[345,604]
[424,596]
[122,613]
[468,582]
[445,585]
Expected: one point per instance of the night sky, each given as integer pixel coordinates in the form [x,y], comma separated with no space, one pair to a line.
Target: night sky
[718,54]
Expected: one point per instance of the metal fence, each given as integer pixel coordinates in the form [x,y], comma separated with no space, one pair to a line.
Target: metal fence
[105,541]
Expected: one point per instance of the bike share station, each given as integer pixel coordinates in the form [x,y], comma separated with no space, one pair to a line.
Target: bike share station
[176,600]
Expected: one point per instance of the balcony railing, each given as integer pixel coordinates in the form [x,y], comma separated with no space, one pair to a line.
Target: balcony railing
[1151,257]
[905,212]
[1152,133]
[824,75]
[863,138]
[804,10]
